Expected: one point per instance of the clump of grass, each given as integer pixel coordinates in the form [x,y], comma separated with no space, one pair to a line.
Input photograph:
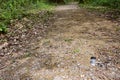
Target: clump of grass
[46,42]
[3,28]
[76,51]
[68,40]
[26,55]
[117,28]
[44,6]
[1,79]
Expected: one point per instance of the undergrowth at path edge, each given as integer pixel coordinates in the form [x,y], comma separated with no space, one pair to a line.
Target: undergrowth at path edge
[16,9]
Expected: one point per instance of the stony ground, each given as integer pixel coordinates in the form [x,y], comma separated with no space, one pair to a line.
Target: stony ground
[64,52]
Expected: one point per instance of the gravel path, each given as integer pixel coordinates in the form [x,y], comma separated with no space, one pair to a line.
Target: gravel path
[64,53]
[71,6]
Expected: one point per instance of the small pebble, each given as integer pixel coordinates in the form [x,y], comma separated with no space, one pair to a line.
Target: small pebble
[58,78]
[82,76]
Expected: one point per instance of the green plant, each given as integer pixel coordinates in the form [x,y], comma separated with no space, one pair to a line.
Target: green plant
[26,55]
[76,51]
[109,3]
[3,28]
[117,28]
[42,5]
[5,15]
[1,79]
[68,40]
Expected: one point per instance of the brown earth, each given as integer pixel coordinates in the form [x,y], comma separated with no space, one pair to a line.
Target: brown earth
[64,52]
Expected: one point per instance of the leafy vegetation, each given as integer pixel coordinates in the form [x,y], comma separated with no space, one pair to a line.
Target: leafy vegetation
[3,27]
[16,9]
[76,51]
[68,40]
[108,3]
[61,1]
